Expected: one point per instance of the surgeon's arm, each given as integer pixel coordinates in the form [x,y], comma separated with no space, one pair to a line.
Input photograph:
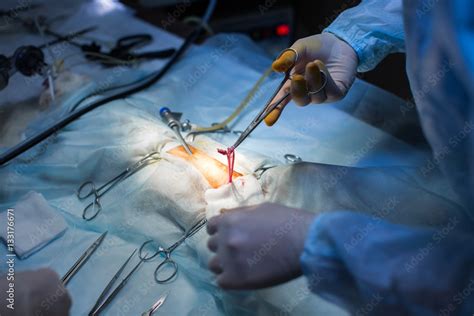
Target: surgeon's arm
[372,267]
[374,29]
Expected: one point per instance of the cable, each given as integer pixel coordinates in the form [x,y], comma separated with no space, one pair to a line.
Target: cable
[29,143]
[101,91]
[222,125]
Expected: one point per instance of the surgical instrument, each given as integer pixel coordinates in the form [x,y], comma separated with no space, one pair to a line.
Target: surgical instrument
[158,304]
[269,106]
[123,50]
[101,304]
[292,159]
[127,90]
[82,259]
[111,283]
[223,126]
[28,60]
[166,252]
[88,188]
[173,121]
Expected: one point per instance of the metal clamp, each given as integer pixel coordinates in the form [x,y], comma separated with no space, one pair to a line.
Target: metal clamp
[293,159]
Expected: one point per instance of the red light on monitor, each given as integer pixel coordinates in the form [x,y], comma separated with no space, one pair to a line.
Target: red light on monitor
[283,30]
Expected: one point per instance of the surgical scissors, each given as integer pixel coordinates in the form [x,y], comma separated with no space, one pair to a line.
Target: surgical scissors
[88,188]
[269,106]
[166,252]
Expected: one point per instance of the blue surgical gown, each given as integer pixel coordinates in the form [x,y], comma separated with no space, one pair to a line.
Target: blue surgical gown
[370,266]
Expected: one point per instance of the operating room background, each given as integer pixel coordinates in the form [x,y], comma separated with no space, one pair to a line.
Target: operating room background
[273,24]
[90,147]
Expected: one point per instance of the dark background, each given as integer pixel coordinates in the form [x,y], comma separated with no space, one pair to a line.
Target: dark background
[259,19]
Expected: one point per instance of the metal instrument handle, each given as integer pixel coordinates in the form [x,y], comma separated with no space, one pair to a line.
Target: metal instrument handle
[96,209]
[146,257]
[81,189]
[167,262]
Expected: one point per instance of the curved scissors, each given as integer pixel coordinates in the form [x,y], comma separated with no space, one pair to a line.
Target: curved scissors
[88,188]
[166,252]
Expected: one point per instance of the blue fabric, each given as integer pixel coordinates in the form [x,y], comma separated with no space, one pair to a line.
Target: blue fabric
[440,63]
[374,29]
[372,267]
[368,265]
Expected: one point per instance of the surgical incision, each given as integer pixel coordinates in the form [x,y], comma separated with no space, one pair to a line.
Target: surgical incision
[215,172]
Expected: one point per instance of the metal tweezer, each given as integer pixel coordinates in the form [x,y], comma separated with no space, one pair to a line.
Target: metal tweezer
[82,260]
[111,283]
[99,307]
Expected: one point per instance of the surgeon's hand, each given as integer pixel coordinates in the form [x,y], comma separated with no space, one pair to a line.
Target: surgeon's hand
[258,246]
[38,292]
[323,52]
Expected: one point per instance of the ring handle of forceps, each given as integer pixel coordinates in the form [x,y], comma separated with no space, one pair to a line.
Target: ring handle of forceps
[93,204]
[92,191]
[146,257]
[166,261]
[289,76]
[297,56]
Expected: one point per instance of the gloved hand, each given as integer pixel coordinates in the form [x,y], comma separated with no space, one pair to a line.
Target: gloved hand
[323,52]
[37,292]
[258,246]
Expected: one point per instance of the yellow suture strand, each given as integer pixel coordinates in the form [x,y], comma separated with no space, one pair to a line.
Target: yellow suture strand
[239,109]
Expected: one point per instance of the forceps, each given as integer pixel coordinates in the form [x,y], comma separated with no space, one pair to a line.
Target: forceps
[88,188]
[82,259]
[269,106]
[166,252]
[103,301]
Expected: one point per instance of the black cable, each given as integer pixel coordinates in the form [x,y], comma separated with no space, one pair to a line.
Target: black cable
[29,143]
[101,91]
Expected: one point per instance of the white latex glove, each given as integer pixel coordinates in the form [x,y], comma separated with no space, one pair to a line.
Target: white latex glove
[258,246]
[38,292]
[323,52]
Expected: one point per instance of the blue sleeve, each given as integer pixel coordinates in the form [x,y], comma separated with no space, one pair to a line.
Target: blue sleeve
[369,266]
[374,29]
[440,64]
